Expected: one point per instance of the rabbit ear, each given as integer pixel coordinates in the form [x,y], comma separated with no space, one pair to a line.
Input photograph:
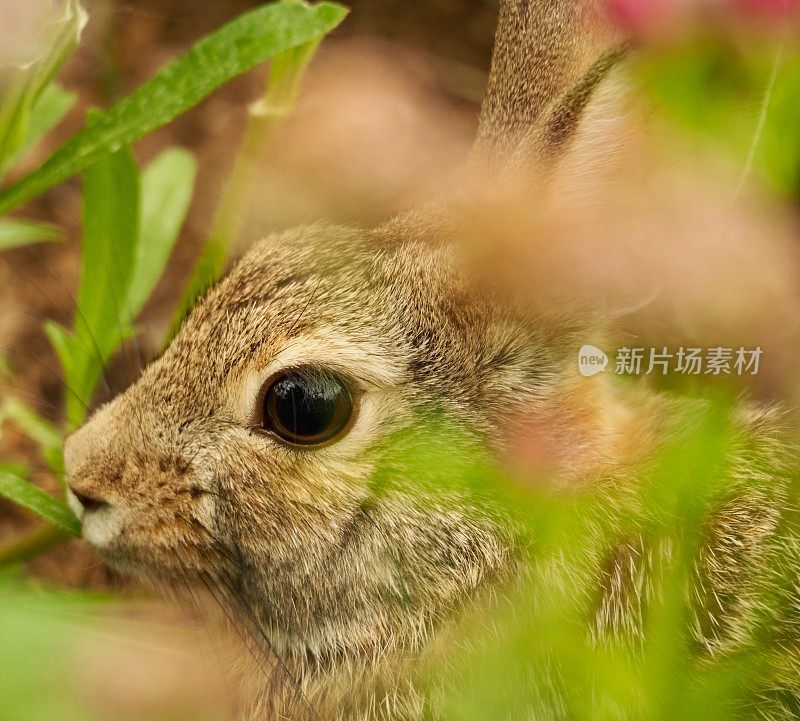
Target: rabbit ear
[549,57]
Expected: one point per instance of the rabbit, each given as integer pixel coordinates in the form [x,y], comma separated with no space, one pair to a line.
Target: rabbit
[255,456]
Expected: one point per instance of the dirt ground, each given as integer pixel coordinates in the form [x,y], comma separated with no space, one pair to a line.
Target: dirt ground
[391,104]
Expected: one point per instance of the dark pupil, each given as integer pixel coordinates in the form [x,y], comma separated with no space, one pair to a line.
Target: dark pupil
[307,408]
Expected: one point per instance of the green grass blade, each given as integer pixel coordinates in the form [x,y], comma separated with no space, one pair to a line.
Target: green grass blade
[61,341]
[110,238]
[20,97]
[167,185]
[17,489]
[234,49]
[15,233]
[53,104]
[51,107]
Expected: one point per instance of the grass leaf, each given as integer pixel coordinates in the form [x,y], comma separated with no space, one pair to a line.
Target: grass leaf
[61,341]
[234,49]
[17,489]
[110,238]
[15,233]
[26,85]
[51,107]
[701,86]
[166,190]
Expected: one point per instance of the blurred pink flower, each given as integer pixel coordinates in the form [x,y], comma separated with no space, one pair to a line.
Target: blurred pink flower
[768,9]
[658,19]
[647,18]
[20,34]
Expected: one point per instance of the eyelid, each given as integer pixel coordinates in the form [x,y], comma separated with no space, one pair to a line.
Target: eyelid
[373,373]
[363,363]
[355,388]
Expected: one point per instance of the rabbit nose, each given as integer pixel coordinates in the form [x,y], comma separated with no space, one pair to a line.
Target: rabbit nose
[87,467]
[89,502]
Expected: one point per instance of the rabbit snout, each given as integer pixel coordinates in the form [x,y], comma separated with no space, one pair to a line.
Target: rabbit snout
[132,490]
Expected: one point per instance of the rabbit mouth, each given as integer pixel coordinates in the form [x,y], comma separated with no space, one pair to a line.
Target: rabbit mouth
[126,538]
[102,522]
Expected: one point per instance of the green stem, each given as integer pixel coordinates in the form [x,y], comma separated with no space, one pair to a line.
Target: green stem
[41,539]
[286,73]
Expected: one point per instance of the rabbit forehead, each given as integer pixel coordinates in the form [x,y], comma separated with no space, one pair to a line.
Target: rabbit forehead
[324,295]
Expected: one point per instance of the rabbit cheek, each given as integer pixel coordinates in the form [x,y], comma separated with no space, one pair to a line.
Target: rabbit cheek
[177,526]
[164,522]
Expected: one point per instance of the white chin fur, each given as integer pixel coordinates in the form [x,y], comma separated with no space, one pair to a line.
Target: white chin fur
[101,525]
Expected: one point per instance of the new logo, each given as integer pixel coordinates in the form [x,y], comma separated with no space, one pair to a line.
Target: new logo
[591,360]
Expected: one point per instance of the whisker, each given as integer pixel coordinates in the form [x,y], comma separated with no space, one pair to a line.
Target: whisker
[223,606]
[119,311]
[186,583]
[95,347]
[38,319]
[290,678]
[305,308]
[33,400]
[52,372]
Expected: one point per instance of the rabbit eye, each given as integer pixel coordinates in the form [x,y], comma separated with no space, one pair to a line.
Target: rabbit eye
[307,407]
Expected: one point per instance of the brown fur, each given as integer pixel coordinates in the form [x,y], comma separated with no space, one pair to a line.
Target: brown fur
[343,585]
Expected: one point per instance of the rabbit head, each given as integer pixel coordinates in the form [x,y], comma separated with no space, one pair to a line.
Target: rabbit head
[247,456]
